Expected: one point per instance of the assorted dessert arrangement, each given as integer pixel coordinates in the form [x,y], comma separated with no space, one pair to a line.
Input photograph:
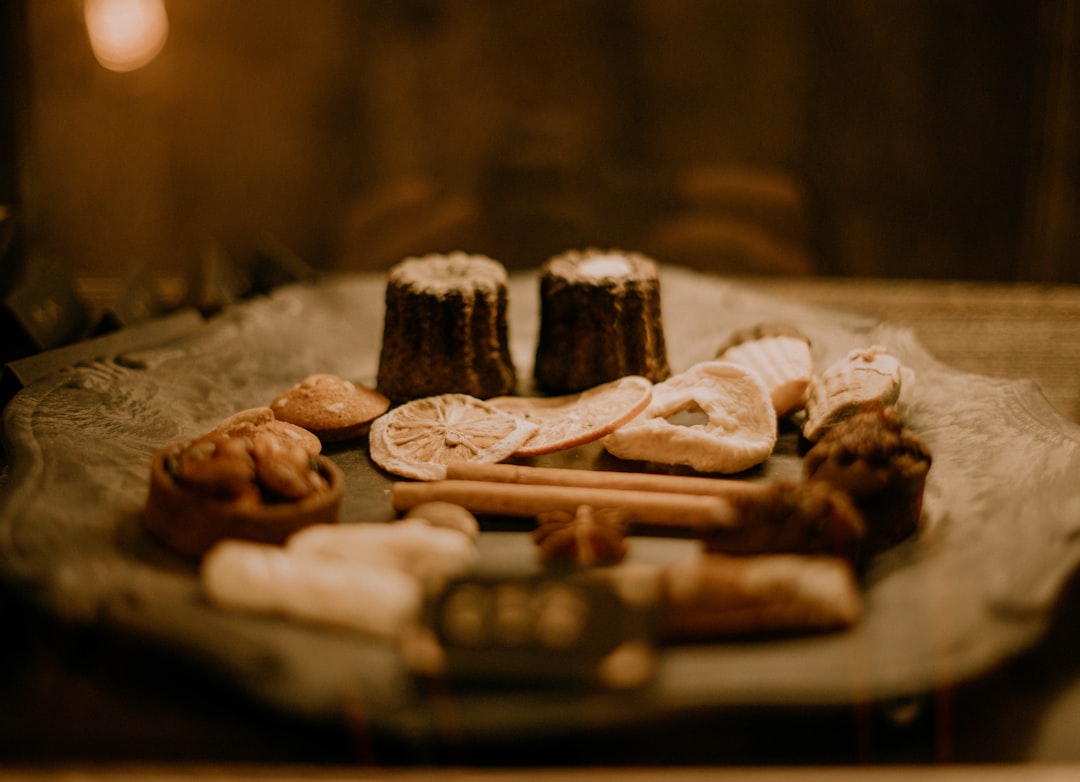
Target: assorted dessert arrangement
[258,504]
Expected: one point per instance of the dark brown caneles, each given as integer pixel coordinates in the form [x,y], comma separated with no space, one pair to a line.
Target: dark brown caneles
[881,465]
[600,320]
[445,329]
[792,518]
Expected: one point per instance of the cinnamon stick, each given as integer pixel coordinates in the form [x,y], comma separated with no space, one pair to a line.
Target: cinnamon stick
[599,479]
[685,512]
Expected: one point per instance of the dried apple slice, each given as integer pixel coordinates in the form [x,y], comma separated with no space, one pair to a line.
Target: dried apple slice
[714,417]
[576,419]
[419,438]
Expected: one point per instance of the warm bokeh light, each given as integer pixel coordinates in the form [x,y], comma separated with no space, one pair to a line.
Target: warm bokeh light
[126,34]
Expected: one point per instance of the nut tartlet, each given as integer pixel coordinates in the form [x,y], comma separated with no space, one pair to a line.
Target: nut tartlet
[217,487]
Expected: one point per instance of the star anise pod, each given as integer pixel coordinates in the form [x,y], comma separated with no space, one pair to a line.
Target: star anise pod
[585,538]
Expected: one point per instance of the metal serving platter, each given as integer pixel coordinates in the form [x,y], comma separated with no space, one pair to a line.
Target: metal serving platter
[976,586]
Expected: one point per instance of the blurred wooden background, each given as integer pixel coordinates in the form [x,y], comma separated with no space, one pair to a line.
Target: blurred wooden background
[895,138]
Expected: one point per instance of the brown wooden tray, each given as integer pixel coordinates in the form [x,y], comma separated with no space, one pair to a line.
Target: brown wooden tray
[1002,524]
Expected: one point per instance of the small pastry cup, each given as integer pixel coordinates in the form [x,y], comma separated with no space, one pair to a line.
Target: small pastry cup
[881,465]
[190,521]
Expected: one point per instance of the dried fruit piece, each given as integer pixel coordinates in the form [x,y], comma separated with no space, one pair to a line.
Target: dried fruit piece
[730,422]
[576,419]
[419,438]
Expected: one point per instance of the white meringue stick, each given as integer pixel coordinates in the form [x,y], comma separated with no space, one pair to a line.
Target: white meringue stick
[268,579]
[433,555]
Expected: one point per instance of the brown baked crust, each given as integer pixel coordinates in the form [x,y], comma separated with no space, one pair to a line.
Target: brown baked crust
[718,596]
[793,518]
[330,407]
[597,327]
[881,465]
[190,521]
[445,329]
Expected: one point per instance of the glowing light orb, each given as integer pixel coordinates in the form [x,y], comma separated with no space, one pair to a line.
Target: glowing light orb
[126,34]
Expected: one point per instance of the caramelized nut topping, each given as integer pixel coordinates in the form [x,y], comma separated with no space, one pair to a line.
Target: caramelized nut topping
[800,518]
[881,465]
[256,469]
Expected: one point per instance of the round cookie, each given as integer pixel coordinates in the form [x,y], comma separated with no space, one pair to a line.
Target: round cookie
[330,407]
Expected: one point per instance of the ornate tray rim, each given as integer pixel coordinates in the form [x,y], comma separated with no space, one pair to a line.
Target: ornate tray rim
[965,614]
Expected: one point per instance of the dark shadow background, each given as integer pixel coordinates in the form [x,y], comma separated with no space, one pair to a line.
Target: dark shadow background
[915,138]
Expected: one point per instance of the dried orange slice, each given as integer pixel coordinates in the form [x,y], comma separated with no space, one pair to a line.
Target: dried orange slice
[576,419]
[419,438]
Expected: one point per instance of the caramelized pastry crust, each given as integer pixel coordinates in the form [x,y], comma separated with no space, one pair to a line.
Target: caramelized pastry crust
[793,518]
[600,319]
[881,465]
[445,329]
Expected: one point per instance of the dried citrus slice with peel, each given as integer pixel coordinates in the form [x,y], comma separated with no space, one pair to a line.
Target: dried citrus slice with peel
[419,438]
[576,419]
